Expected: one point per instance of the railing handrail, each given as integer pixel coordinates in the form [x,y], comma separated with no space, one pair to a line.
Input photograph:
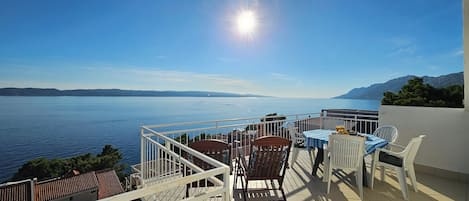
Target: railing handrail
[149,190]
[346,118]
[226,120]
[351,115]
[199,155]
[216,127]
[351,111]
[188,163]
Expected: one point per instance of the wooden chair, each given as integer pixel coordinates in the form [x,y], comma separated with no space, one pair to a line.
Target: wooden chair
[217,149]
[268,161]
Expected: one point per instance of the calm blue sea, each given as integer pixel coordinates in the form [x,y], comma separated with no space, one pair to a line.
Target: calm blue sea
[32,127]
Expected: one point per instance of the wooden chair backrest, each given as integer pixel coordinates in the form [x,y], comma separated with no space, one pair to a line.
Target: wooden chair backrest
[217,149]
[268,158]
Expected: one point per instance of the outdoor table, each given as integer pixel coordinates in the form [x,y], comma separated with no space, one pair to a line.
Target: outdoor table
[319,138]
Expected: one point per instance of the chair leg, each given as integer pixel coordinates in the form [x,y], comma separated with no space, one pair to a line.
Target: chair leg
[329,176]
[327,170]
[245,190]
[373,170]
[382,173]
[235,182]
[283,194]
[295,156]
[413,179]
[313,155]
[359,175]
[402,181]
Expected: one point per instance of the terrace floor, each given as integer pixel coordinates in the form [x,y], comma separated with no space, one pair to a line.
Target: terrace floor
[300,185]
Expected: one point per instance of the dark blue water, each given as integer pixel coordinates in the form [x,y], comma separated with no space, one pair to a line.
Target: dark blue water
[51,127]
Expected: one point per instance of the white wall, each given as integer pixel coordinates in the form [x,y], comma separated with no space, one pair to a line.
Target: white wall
[447,143]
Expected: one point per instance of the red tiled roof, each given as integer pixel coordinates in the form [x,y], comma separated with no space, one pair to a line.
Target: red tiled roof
[105,182]
[63,187]
[109,184]
[20,191]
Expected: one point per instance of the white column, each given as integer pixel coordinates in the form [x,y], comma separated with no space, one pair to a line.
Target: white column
[466,52]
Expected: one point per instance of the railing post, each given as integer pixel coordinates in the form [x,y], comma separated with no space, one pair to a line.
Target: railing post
[142,157]
[226,183]
[321,115]
[356,122]
[167,144]
[167,157]
[297,123]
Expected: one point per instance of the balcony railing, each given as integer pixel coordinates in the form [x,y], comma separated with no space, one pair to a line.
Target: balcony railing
[240,131]
[166,171]
[363,121]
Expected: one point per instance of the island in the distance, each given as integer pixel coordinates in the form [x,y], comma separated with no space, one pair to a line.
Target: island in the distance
[115,92]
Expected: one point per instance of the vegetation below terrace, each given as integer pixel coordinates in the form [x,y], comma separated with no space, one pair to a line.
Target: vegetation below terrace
[43,168]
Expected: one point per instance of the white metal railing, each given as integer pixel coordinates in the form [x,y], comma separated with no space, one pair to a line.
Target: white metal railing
[244,130]
[361,121]
[239,130]
[166,173]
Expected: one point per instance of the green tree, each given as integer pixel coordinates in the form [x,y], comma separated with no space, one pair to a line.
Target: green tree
[40,168]
[110,158]
[43,168]
[416,93]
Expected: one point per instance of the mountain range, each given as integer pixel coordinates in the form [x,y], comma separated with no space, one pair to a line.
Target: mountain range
[114,92]
[376,91]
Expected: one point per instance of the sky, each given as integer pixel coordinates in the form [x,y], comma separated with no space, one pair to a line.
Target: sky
[313,48]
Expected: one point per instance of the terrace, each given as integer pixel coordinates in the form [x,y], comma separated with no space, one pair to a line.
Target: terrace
[165,173]
[441,166]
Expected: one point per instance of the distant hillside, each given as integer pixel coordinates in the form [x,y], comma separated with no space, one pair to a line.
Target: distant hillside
[375,91]
[114,92]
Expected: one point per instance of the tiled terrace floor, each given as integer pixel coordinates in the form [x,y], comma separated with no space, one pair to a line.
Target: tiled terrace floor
[300,185]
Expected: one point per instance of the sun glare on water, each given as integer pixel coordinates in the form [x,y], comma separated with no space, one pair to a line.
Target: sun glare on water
[246,22]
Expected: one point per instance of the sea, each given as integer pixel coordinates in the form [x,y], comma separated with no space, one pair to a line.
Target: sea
[61,127]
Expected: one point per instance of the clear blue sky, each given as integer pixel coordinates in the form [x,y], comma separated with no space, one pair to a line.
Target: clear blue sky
[299,49]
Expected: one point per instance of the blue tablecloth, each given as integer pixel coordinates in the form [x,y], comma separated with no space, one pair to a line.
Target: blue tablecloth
[319,137]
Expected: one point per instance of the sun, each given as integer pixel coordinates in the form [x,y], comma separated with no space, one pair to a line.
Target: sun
[246,22]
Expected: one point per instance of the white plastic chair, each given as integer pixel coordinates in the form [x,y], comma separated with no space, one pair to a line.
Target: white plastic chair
[400,161]
[297,138]
[346,152]
[387,132]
